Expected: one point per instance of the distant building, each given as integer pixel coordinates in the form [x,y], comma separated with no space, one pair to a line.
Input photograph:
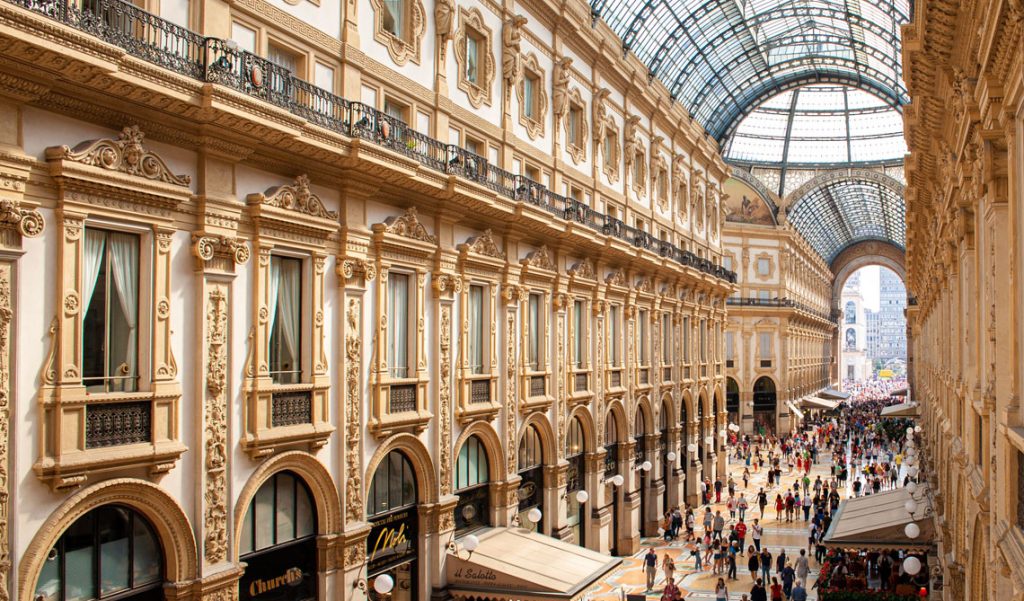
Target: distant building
[854,361]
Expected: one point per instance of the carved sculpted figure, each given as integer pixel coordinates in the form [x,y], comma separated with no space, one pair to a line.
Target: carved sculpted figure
[511,57]
[560,87]
[444,21]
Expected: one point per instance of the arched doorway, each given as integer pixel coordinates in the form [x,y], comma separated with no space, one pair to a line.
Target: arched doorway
[764,406]
[732,400]
[394,526]
[611,469]
[639,458]
[472,484]
[575,448]
[701,431]
[531,474]
[278,541]
[110,552]
[663,450]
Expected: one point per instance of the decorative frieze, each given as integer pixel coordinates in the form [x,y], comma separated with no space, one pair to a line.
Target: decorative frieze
[215,428]
[125,153]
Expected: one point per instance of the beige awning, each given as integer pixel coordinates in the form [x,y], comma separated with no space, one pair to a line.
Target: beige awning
[813,402]
[517,564]
[907,409]
[899,392]
[796,411]
[832,393]
[878,522]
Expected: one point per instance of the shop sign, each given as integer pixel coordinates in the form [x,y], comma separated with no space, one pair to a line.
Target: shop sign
[392,540]
[285,573]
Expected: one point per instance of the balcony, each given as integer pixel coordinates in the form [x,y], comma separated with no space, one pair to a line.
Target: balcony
[117,424]
[213,60]
[780,303]
[291,408]
[402,398]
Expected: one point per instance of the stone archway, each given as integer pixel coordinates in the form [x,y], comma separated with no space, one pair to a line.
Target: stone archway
[862,254]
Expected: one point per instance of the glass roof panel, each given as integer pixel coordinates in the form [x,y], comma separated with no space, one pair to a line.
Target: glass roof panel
[720,58]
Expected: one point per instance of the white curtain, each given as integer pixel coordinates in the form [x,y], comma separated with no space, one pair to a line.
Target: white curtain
[398,329]
[534,332]
[288,295]
[124,265]
[528,96]
[471,59]
[476,336]
[394,9]
[273,285]
[94,245]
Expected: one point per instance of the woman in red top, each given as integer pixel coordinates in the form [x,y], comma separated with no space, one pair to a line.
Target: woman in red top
[776,589]
[779,505]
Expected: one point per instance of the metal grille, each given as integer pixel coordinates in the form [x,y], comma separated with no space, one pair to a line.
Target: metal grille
[666,374]
[730,363]
[645,376]
[291,408]
[402,398]
[703,371]
[580,384]
[616,379]
[537,387]
[766,362]
[686,372]
[480,391]
[118,424]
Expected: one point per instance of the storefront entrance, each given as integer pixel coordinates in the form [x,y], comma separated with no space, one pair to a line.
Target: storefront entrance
[611,469]
[574,482]
[472,478]
[732,400]
[531,474]
[764,406]
[278,542]
[394,528]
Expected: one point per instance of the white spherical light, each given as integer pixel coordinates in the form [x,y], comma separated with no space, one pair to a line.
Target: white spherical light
[692,447]
[917,429]
[913,471]
[671,456]
[582,496]
[722,433]
[910,431]
[618,480]
[912,530]
[534,515]
[911,487]
[470,542]
[912,565]
[911,452]
[646,466]
[708,440]
[383,584]
[910,506]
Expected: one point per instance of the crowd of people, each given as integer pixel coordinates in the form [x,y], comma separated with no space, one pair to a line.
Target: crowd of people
[717,541]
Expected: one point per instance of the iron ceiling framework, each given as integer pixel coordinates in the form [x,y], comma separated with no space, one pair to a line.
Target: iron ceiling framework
[723,58]
[840,213]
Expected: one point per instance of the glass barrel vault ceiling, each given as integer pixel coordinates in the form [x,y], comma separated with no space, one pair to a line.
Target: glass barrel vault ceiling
[838,214]
[722,58]
[818,124]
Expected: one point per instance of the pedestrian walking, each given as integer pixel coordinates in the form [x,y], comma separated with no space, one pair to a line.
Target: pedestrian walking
[651,567]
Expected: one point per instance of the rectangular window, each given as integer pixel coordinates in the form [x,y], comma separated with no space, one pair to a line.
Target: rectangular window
[530,85]
[609,151]
[534,334]
[286,320]
[283,58]
[703,340]
[686,339]
[577,334]
[575,126]
[473,43]
[666,339]
[394,18]
[110,328]
[642,337]
[476,329]
[613,336]
[727,263]
[764,343]
[764,266]
[474,146]
[764,295]
[729,351]
[396,110]
[398,325]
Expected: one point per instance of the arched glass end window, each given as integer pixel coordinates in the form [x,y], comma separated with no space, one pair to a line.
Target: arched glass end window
[851,312]
[640,427]
[574,443]
[611,429]
[530,450]
[393,486]
[281,512]
[471,468]
[112,551]
[611,446]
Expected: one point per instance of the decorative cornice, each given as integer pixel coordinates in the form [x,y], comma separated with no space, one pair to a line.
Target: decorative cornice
[583,269]
[296,197]
[206,247]
[616,278]
[125,154]
[28,222]
[540,258]
[408,225]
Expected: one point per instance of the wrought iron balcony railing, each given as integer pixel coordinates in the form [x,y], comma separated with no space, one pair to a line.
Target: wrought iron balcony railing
[153,39]
[750,301]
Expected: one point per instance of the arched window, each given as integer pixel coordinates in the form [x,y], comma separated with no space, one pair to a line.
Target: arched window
[851,338]
[112,551]
[393,486]
[611,445]
[471,468]
[530,453]
[639,431]
[282,511]
[574,442]
[851,312]
[472,474]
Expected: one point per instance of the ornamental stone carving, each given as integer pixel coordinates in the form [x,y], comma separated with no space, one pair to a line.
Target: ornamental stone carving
[560,77]
[484,244]
[296,197]
[511,51]
[124,153]
[406,47]
[540,258]
[28,222]
[205,248]
[510,392]
[444,24]
[471,23]
[445,399]
[353,397]
[681,186]
[408,225]
[616,278]
[215,426]
[6,318]
[583,269]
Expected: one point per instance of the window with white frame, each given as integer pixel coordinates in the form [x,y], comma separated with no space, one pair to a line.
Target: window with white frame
[398,324]
[764,294]
[477,311]
[764,266]
[110,328]
[535,318]
[285,352]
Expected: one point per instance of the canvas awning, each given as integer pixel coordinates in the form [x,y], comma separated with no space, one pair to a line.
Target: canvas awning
[878,522]
[796,411]
[907,409]
[833,394]
[517,564]
[813,402]
[899,392]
